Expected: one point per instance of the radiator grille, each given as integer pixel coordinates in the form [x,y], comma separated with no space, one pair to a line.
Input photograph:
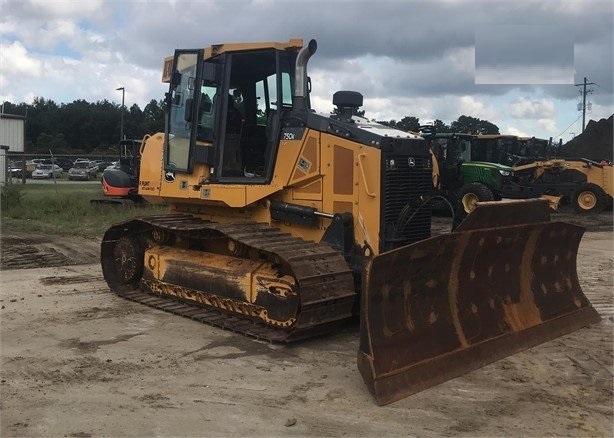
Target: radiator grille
[406,185]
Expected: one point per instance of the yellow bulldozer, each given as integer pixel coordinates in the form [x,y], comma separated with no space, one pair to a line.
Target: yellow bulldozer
[286,224]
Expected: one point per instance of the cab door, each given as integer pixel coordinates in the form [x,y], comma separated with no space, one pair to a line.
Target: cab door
[181,126]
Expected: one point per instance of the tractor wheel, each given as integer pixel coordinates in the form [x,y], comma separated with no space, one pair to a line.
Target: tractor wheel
[466,199]
[588,198]
[470,194]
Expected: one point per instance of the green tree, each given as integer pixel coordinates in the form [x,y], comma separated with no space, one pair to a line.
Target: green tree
[83,127]
[55,142]
[79,125]
[133,120]
[153,117]
[407,123]
[43,116]
[473,125]
[441,126]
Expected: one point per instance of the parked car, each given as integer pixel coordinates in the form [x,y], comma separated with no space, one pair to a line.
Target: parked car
[64,163]
[83,170]
[16,168]
[44,171]
[102,165]
[113,165]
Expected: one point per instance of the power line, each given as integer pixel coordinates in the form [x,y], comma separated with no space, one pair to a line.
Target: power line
[565,130]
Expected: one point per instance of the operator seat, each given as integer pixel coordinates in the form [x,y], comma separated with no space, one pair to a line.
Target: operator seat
[232,162]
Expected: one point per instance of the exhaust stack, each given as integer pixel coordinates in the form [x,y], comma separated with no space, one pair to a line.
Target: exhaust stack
[301,93]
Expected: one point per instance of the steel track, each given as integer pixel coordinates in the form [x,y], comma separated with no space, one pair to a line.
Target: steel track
[326,284]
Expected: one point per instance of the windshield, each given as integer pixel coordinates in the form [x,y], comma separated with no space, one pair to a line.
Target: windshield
[82,165]
[45,166]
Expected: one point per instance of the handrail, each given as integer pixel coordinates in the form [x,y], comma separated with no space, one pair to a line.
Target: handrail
[364,176]
[142,146]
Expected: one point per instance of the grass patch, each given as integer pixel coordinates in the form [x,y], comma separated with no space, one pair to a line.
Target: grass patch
[63,209]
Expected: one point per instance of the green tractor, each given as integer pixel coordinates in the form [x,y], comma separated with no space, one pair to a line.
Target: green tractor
[460,182]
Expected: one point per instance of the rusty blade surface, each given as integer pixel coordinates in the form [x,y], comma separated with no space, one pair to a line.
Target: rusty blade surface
[445,306]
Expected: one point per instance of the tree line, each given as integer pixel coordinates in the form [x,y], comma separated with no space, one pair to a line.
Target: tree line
[94,128]
[84,127]
[464,124]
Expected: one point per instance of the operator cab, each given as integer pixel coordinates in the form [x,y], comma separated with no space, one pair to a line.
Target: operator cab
[224,111]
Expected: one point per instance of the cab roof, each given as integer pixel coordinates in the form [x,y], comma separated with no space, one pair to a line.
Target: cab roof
[217,49]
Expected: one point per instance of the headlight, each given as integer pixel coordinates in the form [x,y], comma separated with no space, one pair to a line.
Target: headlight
[505,172]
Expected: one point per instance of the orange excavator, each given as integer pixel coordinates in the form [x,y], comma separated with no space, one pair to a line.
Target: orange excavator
[287,224]
[120,182]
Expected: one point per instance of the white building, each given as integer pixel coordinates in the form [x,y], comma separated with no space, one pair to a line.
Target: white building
[12,139]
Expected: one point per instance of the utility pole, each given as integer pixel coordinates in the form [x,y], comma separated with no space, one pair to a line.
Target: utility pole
[584,92]
[121,129]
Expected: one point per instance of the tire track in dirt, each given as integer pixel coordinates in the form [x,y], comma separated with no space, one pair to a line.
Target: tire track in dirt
[22,250]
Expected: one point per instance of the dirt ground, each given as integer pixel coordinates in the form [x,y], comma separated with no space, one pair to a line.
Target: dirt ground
[78,361]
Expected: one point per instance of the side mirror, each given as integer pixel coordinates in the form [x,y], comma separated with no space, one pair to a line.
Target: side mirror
[176,78]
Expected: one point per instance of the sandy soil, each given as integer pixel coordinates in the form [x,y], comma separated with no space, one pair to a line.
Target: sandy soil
[78,361]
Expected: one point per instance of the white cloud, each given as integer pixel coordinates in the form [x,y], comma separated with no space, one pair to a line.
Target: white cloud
[94,37]
[511,130]
[548,125]
[51,33]
[525,108]
[64,79]
[598,112]
[413,66]
[16,60]
[475,107]
[541,128]
[42,26]
[64,8]
[7,27]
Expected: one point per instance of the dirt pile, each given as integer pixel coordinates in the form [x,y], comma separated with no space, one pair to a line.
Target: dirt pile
[595,143]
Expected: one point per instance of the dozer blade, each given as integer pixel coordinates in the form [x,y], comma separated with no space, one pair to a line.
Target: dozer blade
[505,281]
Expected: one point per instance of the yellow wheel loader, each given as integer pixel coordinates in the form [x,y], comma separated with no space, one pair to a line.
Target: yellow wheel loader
[286,224]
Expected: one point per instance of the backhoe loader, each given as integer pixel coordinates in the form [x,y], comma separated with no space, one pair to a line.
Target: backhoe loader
[286,224]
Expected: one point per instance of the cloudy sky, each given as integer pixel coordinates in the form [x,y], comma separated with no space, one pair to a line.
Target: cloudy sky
[513,62]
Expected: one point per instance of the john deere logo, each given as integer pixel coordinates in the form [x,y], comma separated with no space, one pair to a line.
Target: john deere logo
[411,162]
